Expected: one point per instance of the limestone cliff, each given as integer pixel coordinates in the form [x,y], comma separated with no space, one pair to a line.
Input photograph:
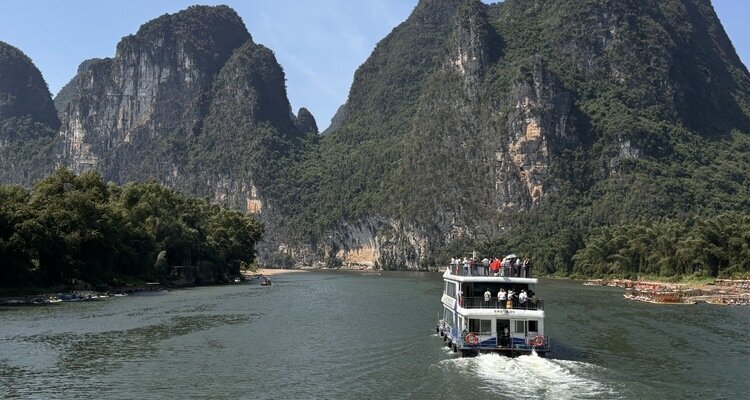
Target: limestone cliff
[132,116]
[468,118]
[189,100]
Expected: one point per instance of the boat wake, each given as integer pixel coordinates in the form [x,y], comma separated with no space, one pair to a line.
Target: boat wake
[534,377]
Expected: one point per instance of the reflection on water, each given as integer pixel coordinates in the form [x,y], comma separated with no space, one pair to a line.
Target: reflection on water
[350,335]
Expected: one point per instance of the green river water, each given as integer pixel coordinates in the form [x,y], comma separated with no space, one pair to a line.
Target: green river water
[339,335]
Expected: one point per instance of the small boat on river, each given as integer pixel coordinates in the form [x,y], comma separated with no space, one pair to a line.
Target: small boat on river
[492,309]
[265,281]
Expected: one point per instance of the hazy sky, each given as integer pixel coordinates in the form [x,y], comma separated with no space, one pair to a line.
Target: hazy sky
[318,43]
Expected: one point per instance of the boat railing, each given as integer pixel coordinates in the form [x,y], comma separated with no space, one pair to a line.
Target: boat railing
[479,302]
[481,270]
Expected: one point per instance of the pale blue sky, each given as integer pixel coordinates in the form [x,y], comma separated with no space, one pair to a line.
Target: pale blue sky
[318,43]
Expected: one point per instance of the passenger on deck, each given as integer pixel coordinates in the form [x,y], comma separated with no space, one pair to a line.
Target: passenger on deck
[511,298]
[487,297]
[501,297]
[495,266]
[525,268]
[522,297]
[467,269]
[486,266]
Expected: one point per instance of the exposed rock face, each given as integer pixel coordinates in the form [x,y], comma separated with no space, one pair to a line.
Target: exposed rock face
[190,101]
[131,116]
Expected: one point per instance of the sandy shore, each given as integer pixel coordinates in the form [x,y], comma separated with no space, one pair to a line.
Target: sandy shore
[275,271]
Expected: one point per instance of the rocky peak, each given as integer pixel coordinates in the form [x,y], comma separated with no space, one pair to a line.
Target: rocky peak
[387,85]
[207,34]
[155,92]
[305,122]
[28,122]
[23,91]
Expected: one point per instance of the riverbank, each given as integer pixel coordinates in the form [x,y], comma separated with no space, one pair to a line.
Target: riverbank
[720,291]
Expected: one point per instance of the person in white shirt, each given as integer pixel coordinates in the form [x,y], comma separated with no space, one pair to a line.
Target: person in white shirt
[522,298]
[487,297]
[501,297]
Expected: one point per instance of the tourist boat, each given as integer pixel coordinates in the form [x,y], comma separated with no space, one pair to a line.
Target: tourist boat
[472,323]
[265,281]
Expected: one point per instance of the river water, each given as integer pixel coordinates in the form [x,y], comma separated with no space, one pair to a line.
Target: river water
[338,335]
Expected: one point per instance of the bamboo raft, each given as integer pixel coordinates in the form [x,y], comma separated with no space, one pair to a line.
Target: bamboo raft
[723,291]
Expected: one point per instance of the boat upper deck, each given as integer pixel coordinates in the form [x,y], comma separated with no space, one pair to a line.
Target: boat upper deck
[462,274]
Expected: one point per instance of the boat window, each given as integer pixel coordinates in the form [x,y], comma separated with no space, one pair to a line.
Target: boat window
[480,325]
[485,327]
[448,317]
[450,289]
[533,326]
[520,327]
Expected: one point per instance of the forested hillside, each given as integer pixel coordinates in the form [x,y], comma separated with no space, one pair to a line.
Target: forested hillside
[28,120]
[534,126]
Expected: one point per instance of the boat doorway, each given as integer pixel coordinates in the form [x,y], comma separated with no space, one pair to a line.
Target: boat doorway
[503,332]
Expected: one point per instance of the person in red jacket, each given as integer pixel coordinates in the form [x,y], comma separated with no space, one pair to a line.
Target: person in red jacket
[495,265]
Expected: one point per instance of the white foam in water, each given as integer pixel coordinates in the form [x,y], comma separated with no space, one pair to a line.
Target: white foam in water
[536,377]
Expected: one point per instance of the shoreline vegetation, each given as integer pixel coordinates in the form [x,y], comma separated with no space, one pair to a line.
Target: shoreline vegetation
[63,294]
[78,233]
[720,291]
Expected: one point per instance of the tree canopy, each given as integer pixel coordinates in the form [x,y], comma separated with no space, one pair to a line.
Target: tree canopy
[72,227]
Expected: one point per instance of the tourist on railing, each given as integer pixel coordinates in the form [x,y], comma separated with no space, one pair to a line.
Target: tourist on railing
[495,266]
[485,266]
[501,297]
[467,266]
[522,297]
[487,297]
[511,299]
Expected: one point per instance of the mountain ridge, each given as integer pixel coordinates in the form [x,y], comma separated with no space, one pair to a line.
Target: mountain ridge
[523,125]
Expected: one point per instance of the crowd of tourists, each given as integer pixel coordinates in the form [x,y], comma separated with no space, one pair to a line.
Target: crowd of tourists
[510,265]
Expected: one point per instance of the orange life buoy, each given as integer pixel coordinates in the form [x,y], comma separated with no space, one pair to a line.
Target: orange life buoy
[537,341]
[472,338]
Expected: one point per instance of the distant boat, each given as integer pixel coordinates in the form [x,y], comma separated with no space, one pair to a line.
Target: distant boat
[265,281]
